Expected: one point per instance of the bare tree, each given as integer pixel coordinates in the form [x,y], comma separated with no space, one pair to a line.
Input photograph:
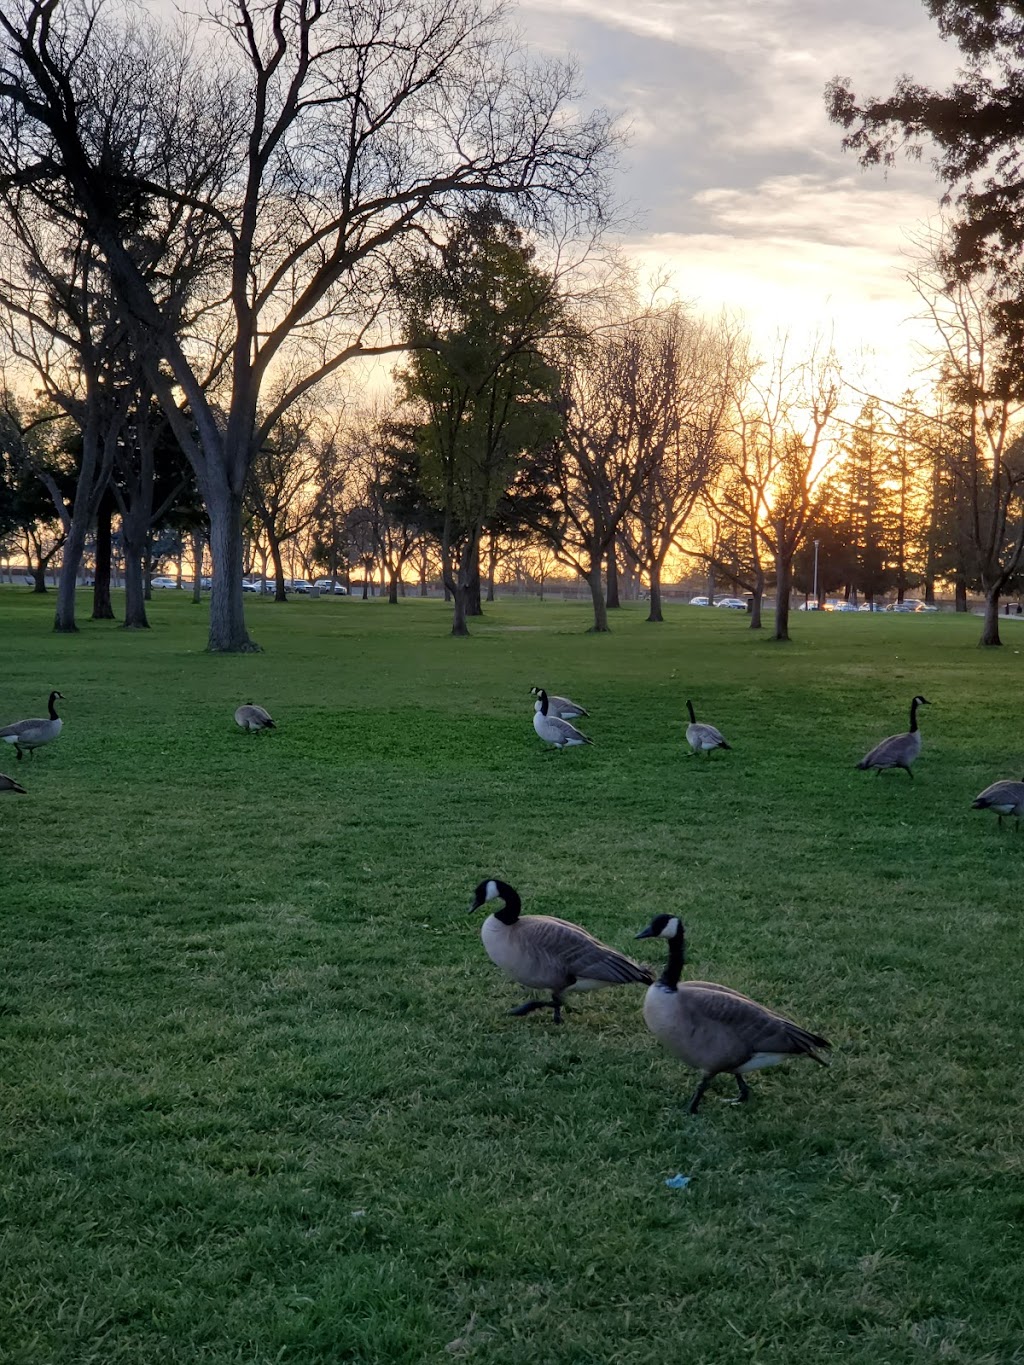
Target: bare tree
[618,423]
[986,465]
[694,366]
[280,487]
[782,422]
[302,143]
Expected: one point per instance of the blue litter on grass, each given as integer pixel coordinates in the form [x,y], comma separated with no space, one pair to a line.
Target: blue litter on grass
[678,1182]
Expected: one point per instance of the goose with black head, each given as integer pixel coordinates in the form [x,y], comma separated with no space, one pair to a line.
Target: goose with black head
[548,954]
[713,1028]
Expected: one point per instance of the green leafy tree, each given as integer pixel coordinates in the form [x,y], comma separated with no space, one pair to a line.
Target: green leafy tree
[479,319]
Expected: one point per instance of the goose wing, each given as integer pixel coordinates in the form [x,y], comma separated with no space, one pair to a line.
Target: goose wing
[23,727]
[566,708]
[888,753]
[1000,794]
[754,1026]
[582,955]
[707,736]
[558,731]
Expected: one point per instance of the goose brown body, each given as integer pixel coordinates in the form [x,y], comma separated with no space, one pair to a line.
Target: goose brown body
[715,1029]
[28,735]
[253,718]
[898,751]
[1005,798]
[549,954]
[702,738]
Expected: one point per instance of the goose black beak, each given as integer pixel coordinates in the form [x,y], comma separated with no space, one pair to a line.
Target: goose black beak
[477,905]
[645,933]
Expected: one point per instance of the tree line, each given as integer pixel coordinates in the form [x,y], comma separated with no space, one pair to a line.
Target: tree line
[201,231]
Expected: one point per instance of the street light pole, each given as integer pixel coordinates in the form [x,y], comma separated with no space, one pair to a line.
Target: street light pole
[817,546]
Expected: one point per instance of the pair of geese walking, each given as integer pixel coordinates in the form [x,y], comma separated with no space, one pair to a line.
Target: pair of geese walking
[710,1027]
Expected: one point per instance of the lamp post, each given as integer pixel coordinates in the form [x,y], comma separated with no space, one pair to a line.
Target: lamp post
[817,546]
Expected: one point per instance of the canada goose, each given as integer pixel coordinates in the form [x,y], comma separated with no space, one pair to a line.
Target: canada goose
[898,751]
[552,729]
[8,784]
[713,1028]
[548,954]
[1005,798]
[253,718]
[32,734]
[703,738]
[562,707]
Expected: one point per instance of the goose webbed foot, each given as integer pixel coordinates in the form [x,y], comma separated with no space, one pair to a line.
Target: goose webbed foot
[530,1005]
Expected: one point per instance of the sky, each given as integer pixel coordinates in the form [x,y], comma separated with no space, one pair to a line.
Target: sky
[735,181]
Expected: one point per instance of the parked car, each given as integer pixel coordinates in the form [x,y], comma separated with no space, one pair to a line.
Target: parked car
[846,606]
[300,585]
[904,608]
[331,585]
[698,602]
[925,606]
[251,585]
[733,603]
[808,606]
[165,582]
[872,606]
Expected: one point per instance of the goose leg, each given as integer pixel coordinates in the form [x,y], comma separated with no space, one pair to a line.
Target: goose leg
[556,1004]
[744,1094]
[698,1095]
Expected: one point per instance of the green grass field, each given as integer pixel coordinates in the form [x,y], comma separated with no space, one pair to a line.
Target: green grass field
[261,1098]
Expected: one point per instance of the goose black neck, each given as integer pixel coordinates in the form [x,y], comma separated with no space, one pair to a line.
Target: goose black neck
[676,958]
[913,715]
[543,703]
[509,912]
[53,709]
[689,707]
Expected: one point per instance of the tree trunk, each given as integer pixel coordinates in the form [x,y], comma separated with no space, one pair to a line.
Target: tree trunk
[612,597]
[102,607]
[393,589]
[134,576]
[711,585]
[474,607]
[74,546]
[758,594]
[783,581]
[227,616]
[423,578]
[600,625]
[197,565]
[960,594]
[467,576]
[990,630]
[655,612]
[275,554]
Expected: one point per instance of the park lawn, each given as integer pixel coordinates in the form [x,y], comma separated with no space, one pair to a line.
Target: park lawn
[260,1096]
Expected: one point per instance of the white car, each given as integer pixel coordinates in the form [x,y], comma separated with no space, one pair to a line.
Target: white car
[165,583]
[846,606]
[733,603]
[698,602]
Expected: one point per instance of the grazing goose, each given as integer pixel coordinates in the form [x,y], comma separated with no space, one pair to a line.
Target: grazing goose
[8,784]
[715,1029]
[253,718]
[562,707]
[898,751]
[548,954]
[703,738]
[32,734]
[1005,798]
[552,729]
